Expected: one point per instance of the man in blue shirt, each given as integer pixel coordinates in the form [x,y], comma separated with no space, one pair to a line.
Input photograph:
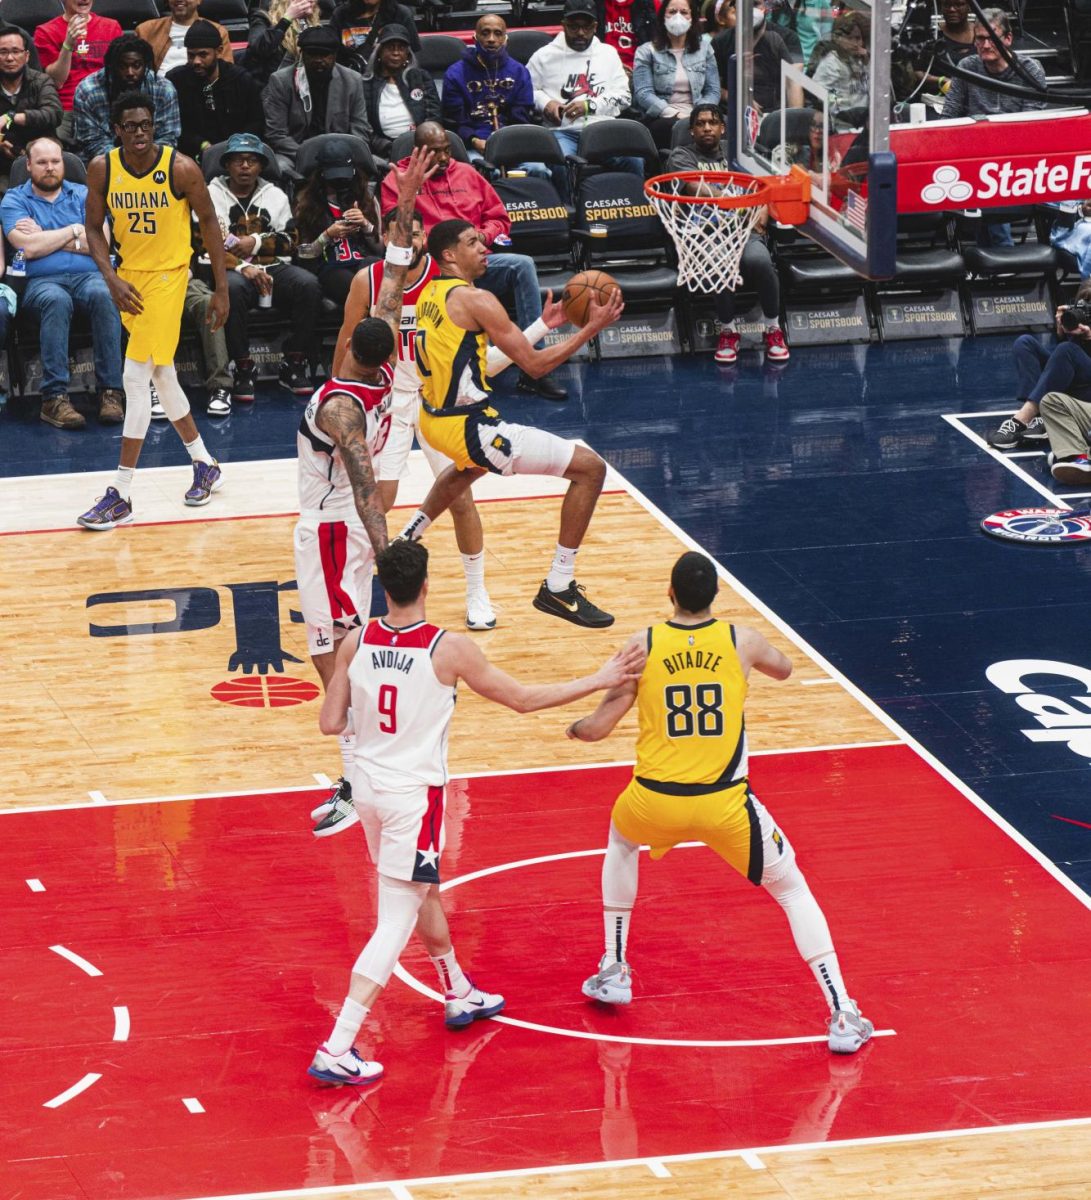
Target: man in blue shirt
[44,218]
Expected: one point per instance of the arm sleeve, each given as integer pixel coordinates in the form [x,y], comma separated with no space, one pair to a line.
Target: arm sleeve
[225,51]
[710,94]
[1035,71]
[92,132]
[455,108]
[615,93]
[48,42]
[277,98]
[538,81]
[47,116]
[644,96]
[522,95]
[168,118]
[955,103]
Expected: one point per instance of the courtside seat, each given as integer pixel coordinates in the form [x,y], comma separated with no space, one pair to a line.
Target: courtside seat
[619,138]
[233,15]
[438,51]
[540,219]
[522,43]
[1031,258]
[925,297]
[28,15]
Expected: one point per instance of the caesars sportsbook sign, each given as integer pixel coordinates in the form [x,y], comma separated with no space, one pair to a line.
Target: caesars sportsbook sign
[1026,159]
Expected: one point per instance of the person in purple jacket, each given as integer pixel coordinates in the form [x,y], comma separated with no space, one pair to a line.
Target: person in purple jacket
[486,89]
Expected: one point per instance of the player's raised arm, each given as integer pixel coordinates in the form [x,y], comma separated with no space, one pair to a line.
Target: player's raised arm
[342,419]
[399,250]
[191,183]
[614,705]
[755,651]
[457,657]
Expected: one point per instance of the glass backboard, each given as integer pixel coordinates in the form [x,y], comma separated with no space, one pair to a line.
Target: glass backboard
[813,88]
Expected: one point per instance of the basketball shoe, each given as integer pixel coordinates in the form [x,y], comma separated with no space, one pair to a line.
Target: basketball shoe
[776,350]
[848,1030]
[611,984]
[341,813]
[727,349]
[342,790]
[1012,432]
[476,1005]
[109,510]
[347,1068]
[572,605]
[479,613]
[207,478]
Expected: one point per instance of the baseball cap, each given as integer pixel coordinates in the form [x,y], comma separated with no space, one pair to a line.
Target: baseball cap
[580,8]
[392,33]
[247,143]
[334,160]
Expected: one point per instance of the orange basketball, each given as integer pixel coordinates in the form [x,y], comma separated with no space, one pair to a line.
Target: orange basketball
[264,691]
[581,289]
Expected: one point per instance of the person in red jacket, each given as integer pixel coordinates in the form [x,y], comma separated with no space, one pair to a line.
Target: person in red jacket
[71,47]
[457,191]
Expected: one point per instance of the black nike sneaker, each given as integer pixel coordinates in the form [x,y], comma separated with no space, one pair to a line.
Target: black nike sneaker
[572,605]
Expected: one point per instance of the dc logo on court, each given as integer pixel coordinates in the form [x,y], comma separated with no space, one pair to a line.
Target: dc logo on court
[160,177]
[1050,526]
[946,185]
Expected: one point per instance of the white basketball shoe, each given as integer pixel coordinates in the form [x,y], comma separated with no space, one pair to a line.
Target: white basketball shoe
[848,1030]
[476,1005]
[347,1068]
[612,984]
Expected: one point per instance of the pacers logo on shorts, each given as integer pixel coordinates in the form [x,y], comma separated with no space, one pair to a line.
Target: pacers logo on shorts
[778,841]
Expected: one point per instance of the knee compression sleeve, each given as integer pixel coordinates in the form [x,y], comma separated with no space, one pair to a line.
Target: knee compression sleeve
[171,396]
[399,903]
[138,400]
[620,871]
[808,923]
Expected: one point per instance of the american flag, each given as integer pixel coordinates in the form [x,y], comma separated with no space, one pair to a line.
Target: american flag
[855,212]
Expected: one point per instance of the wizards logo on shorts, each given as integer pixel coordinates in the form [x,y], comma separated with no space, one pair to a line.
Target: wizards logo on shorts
[1045,526]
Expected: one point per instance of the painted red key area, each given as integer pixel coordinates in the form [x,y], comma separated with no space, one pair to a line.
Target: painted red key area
[228,932]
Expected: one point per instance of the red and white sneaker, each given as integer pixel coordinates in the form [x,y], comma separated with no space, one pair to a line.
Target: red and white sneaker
[775,348]
[727,349]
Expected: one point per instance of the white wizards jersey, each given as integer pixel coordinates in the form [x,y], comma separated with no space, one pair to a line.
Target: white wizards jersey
[400,710]
[406,378]
[325,491]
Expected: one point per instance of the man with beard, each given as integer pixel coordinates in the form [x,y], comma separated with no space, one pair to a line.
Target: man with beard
[167,35]
[45,218]
[128,68]
[71,47]
[29,107]
[216,98]
[318,96]
[150,193]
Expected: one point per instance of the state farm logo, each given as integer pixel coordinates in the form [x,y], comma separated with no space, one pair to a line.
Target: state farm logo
[947,185]
[1045,180]
[1060,719]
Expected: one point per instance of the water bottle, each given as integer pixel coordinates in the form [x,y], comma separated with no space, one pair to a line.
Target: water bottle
[17,268]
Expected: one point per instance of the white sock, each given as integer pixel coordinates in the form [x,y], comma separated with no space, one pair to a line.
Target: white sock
[347,746]
[727,326]
[617,935]
[772,323]
[474,566]
[197,451]
[563,570]
[418,523]
[451,977]
[349,1020]
[123,481]
[828,973]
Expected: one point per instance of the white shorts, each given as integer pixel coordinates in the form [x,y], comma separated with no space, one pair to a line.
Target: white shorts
[404,831]
[404,422]
[333,567]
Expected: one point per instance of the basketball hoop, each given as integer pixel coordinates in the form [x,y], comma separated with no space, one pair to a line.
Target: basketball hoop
[710,232]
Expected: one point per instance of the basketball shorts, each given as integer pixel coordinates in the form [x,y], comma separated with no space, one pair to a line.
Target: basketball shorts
[333,567]
[733,822]
[154,332]
[404,830]
[483,440]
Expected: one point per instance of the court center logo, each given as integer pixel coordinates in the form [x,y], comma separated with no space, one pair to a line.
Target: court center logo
[946,186]
[1061,718]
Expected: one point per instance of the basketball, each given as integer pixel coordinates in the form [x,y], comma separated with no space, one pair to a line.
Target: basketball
[584,288]
[265,691]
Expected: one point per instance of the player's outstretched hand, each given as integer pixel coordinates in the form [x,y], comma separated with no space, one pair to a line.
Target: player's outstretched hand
[125,296]
[606,313]
[623,667]
[421,166]
[553,312]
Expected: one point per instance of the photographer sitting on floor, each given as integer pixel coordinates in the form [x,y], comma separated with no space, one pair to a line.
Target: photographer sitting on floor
[1067,369]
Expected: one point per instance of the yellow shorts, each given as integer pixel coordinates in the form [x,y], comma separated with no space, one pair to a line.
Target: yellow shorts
[154,332]
[449,435]
[733,822]
[482,440]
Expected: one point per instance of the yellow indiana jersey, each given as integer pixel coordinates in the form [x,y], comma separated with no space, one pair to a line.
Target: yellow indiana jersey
[150,220]
[692,735]
[445,352]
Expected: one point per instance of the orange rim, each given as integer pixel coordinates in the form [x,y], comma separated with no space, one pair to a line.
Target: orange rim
[788,196]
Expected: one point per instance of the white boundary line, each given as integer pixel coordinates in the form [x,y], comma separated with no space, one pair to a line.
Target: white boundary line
[73,1091]
[121,1023]
[943,771]
[35,885]
[955,420]
[758,1152]
[193,1105]
[73,957]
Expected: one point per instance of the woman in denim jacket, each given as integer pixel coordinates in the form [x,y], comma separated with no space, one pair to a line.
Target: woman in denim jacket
[674,71]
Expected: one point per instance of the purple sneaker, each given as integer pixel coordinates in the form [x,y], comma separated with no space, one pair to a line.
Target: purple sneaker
[206,480]
[109,510]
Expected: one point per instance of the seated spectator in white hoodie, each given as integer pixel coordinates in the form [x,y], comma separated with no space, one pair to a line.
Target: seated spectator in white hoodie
[577,81]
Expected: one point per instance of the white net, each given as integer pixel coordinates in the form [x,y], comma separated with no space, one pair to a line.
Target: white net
[709,239]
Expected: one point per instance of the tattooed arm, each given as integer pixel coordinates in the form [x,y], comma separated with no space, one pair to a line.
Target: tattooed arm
[388,303]
[342,420]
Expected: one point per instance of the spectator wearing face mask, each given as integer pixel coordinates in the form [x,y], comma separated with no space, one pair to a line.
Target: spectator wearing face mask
[674,71]
[486,89]
[770,50]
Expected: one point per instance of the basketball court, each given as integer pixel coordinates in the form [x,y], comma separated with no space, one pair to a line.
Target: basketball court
[177,943]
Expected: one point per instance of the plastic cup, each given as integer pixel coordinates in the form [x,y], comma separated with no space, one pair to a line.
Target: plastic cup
[597,231]
[918,114]
[265,300]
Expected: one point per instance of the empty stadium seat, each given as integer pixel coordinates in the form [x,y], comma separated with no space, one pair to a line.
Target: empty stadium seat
[522,43]
[233,15]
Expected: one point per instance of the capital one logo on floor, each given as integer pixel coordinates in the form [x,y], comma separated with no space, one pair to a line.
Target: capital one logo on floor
[1057,178]
[1065,719]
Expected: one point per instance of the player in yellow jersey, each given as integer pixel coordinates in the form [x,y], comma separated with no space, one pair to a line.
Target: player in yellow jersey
[456,322]
[147,193]
[690,785]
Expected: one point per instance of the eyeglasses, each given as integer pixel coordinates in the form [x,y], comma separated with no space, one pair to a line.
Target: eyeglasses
[138,126]
[11,53]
